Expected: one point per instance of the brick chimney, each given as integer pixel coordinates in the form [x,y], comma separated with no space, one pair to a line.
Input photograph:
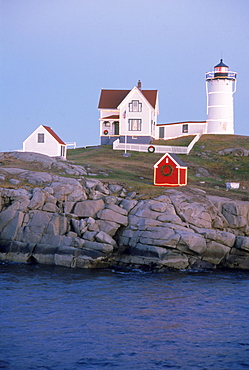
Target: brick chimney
[139,85]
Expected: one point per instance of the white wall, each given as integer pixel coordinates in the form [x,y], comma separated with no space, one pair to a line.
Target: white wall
[146,115]
[220,106]
[175,130]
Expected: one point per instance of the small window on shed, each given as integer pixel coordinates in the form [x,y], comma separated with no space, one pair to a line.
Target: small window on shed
[40,138]
[184,129]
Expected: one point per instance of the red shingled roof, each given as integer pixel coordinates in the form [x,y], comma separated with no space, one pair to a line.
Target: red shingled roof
[110,99]
[54,135]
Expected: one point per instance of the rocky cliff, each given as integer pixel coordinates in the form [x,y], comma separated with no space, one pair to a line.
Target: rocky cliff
[79,222]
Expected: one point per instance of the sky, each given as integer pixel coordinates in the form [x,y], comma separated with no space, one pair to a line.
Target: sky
[57,55]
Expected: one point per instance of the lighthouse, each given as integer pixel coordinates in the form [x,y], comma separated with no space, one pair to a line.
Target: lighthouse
[220,87]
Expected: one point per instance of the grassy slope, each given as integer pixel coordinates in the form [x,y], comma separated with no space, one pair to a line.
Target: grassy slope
[136,171]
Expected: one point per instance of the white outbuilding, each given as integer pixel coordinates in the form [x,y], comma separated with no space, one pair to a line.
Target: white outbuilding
[45,141]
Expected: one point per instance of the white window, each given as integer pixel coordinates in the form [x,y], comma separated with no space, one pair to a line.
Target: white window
[135,106]
[135,124]
[40,138]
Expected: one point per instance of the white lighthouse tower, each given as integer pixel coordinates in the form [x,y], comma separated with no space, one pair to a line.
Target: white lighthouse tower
[220,86]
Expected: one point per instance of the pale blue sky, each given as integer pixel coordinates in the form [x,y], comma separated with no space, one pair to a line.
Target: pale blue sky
[56,56]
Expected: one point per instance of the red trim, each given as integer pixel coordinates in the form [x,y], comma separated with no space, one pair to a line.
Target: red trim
[56,137]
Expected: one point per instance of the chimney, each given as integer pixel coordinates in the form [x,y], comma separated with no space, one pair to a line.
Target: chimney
[139,85]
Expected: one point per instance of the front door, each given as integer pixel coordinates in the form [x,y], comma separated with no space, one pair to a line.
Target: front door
[116,128]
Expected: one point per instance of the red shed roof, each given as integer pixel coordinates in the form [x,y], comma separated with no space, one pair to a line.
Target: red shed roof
[55,136]
[110,99]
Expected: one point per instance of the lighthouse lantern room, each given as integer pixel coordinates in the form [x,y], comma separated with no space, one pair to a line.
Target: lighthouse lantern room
[220,87]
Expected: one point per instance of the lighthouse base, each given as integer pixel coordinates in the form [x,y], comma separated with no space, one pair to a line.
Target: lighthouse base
[220,127]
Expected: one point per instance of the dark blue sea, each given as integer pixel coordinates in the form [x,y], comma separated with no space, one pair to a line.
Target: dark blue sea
[61,319]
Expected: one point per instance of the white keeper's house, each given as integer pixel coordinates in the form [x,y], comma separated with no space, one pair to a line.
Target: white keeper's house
[129,115]
[45,141]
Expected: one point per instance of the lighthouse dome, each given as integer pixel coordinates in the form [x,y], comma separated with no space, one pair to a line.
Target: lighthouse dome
[221,64]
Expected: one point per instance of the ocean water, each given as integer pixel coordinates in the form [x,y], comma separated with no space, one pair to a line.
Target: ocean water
[57,318]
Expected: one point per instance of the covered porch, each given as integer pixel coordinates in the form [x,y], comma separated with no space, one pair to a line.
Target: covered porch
[109,128]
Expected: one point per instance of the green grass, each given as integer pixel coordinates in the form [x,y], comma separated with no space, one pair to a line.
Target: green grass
[136,171]
[180,141]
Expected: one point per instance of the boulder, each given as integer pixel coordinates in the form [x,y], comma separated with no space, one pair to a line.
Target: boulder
[79,226]
[50,207]
[242,242]
[38,222]
[117,209]
[109,227]
[70,191]
[91,183]
[220,236]
[58,225]
[159,236]
[44,160]
[15,251]
[143,210]
[115,188]
[128,204]
[215,252]
[100,247]
[170,218]
[38,199]
[14,181]
[237,152]
[10,222]
[176,261]
[113,216]
[89,235]
[158,206]
[102,237]
[145,250]
[36,178]
[89,208]
[235,215]
[192,241]
[192,210]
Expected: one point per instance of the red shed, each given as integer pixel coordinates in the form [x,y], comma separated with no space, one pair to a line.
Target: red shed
[170,171]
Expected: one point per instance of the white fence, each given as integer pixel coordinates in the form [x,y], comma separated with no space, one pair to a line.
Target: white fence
[155,148]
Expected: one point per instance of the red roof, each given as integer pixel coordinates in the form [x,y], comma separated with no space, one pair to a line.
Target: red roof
[56,137]
[110,99]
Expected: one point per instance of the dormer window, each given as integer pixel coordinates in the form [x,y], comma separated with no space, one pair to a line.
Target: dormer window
[40,138]
[135,106]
